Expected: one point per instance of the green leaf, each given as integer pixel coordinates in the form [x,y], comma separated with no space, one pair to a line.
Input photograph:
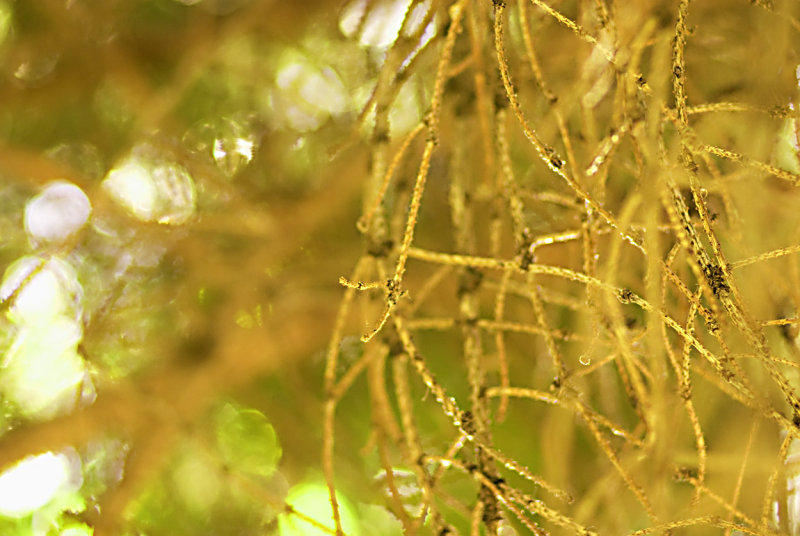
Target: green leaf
[247,440]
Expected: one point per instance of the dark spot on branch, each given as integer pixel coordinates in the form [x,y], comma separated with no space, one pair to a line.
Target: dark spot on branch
[712,325]
[716,279]
[552,157]
[625,295]
[468,423]
[393,291]
[526,260]
[779,111]
[432,137]
[685,473]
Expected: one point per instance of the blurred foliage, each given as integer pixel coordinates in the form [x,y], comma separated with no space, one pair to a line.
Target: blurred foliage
[399,266]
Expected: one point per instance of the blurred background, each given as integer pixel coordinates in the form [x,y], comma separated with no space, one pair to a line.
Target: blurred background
[180,186]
